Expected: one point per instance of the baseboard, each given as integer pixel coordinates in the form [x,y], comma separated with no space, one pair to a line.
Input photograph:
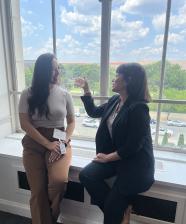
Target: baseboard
[15,208]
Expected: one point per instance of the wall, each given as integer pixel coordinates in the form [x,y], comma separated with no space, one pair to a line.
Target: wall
[11,65]
[161,202]
[5,115]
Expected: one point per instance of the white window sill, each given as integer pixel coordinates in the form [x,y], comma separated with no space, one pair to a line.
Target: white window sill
[169,171]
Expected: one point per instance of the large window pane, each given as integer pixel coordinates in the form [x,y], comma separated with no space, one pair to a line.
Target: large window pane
[36,32]
[78,28]
[78,31]
[134,37]
[78,40]
[175,73]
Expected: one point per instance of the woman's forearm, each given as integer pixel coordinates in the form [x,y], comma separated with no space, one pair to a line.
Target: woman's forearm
[34,134]
[69,130]
[113,156]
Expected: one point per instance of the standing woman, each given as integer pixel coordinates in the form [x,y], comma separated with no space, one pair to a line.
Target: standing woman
[42,108]
[123,143]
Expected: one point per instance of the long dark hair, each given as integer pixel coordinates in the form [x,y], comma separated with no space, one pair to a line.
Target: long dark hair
[40,85]
[136,80]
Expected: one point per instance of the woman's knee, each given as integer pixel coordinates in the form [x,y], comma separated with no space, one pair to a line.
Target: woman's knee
[90,172]
[84,176]
[57,189]
[57,183]
[39,192]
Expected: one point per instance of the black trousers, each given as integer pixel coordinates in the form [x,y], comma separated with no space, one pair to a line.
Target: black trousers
[109,199]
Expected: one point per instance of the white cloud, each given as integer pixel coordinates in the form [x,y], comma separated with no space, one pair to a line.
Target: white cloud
[158,21]
[176,21]
[151,53]
[28,28]
[69,49]
[131,5]
[91,7]
[27,51]
[158,39]
[89,26]
[124,31]
[155,53]
[147,53]
[82,24]
[173,38]
[143,7]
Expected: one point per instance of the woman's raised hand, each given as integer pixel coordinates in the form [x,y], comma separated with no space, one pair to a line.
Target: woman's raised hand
[82,83]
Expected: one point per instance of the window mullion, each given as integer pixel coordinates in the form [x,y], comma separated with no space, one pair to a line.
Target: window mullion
[105,46]
[163,68]
[54,26]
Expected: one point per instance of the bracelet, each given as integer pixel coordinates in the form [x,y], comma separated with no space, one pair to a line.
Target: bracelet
[69,140]
[66,143]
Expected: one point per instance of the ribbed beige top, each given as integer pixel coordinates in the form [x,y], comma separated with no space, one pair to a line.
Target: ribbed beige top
[60,106]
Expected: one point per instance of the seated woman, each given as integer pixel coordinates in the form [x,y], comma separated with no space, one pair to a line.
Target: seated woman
[123,143]
[43,108]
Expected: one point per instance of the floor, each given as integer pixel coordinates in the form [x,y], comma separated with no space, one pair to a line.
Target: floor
[7,218]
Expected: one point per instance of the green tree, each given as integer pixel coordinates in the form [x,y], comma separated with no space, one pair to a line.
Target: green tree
[153,74]
[175,77]
[181,141]
[174,85]
[165,139]
[28,75]
[89,71]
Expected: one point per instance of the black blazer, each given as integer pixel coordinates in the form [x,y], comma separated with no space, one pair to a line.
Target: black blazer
[131,138]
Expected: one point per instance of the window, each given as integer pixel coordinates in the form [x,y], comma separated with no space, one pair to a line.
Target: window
[136,34]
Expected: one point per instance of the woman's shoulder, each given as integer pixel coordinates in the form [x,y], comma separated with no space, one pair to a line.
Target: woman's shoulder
[62,91]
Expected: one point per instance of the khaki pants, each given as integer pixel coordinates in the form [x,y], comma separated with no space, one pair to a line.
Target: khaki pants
[47,181]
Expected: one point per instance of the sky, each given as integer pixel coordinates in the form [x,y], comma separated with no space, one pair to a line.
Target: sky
[137,29]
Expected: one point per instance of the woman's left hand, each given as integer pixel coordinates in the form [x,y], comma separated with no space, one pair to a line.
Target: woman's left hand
[102,158]
[54,156]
